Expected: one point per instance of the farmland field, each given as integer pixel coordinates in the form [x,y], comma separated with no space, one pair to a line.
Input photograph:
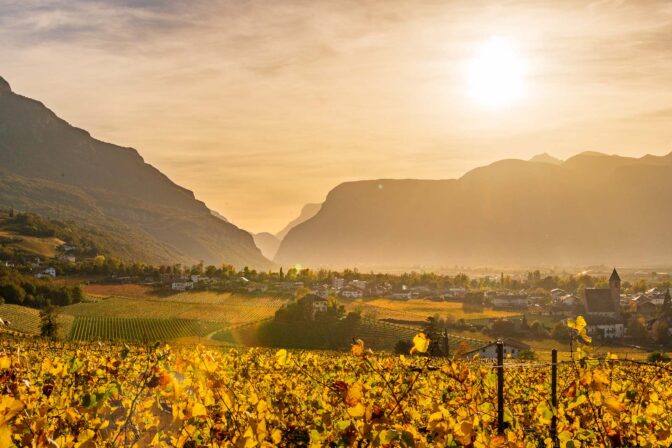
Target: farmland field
[27,320]
[184,315]
[381,335]
[420,309]
[230,309]
[138,329]
[126,290]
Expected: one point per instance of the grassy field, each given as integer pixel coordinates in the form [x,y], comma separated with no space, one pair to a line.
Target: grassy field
[41,247]
[27,320]
[420,309]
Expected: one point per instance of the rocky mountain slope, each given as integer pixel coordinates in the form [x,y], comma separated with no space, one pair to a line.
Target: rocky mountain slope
[52,168]
[590,209]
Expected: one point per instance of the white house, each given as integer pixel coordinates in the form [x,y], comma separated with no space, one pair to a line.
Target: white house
[655,296]
[337,282]
[351,293]
[604,327]
[48,272]
[512,348]
[607,331]
[557,293]
[182,286]
[320,306]
[316,303]
[359,284]
[402,295]
[568,300]
[510,301]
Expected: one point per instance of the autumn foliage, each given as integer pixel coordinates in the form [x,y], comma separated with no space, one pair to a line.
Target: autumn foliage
[103,395]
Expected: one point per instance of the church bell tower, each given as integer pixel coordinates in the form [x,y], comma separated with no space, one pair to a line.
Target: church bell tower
[615,286]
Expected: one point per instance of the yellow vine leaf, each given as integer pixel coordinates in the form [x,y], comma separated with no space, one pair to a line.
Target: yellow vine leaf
[355,393]
[281,357]
[5,436]
[613,404]
[9,407]
[357,348]
[357,411]
[420,343]
[198,410]
[276,436]
[580,326]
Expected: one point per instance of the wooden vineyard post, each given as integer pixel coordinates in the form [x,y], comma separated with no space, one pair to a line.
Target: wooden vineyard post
[554,396]
[500,387]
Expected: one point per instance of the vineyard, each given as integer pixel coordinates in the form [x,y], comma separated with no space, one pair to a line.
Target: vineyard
[383,335]
[138,329]
[83,394]
[229,309]
[420,309]
[27,320]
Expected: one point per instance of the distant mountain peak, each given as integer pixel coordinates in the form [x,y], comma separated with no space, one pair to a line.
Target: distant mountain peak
[308,211]
[4,85]
[545,157]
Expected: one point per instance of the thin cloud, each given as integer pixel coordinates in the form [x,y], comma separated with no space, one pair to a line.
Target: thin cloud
[261,106]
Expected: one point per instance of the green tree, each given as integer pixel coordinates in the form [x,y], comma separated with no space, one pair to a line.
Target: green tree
[524,326]
[434,329]
[403,347]
[560,332]
[637,329]
[660,332]
[48,323]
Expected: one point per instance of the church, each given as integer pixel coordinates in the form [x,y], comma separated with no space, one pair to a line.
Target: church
[603,309]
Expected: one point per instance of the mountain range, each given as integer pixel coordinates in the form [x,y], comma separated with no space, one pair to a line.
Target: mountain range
[590,209]
[54,169]
[269,243]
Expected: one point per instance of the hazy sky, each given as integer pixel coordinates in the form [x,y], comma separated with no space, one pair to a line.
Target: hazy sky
[262,106]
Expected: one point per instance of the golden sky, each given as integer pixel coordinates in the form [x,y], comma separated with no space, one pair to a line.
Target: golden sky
[262,106]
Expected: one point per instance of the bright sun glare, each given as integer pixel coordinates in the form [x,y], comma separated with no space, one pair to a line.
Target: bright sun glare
[496,74]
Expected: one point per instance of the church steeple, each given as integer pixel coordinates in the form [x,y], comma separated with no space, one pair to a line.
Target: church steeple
[615,286]
[615,280]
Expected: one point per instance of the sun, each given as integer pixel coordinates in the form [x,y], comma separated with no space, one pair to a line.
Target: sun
[496,75]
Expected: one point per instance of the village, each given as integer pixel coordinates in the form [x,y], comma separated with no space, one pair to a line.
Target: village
[609,311]
[634,312]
